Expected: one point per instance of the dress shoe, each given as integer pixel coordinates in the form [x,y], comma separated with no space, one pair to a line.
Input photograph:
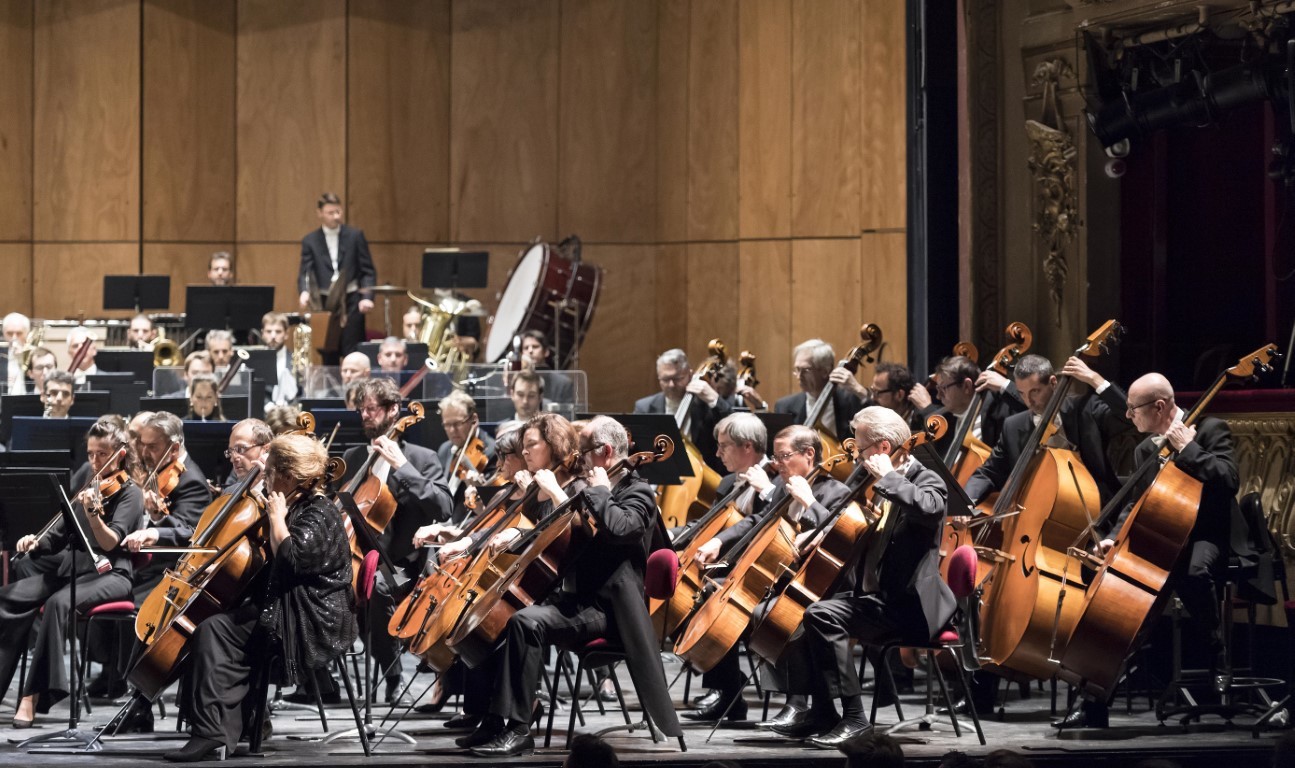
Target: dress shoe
[805,724]
[1087,716]
[843,732]
[510,743]
[21,724]
[138,720]
[303,696]
[719,708]
[606,691]
[463,722]
[783,717]
[102,688]
[706,699]
[485,733]
[196,750]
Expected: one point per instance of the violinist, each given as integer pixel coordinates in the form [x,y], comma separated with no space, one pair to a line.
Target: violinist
[108,507]
[463,428]
[416,480]
[1088,421]
[675,377]
[894,591]
[1203,451]
[301,610]
[814,365]
[601,596]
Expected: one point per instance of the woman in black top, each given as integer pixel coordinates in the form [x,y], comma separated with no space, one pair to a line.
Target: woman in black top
[111,518]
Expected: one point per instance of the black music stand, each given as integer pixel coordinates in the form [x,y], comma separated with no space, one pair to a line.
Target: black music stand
[137,292]
[453,269]
[237,308]
[773,424]
[643,429]
[77,542]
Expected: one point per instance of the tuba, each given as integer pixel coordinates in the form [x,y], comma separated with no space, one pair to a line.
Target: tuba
[166,353]
[437,329]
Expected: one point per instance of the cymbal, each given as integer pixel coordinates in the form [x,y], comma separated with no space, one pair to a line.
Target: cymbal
[392,290]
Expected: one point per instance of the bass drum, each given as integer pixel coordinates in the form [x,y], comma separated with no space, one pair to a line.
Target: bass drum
[543,277]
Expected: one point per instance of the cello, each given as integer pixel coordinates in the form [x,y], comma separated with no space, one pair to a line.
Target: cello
[1049,501]
[1128,587]
[817,567]
[695,493]
[870,334]
[762,555]
[369,484]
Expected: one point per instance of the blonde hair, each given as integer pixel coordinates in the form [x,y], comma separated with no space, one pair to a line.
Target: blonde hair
[301,458]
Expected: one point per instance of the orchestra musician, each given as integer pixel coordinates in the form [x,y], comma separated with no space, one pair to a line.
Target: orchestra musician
[274,335]
[219,343]
[526,390]
[195,364]
[393,357]
[58,394]
[602,594]
[814,365]
[894,387]
[141,333]
[461,424]
[336,262]
[247,444]
[416,480]
[675,377]
[107,514]
[16,326]
[204,400]
[77,338]
[301,610]
[894,592]
[536,356]
[355,366]
[220,269]
[411,322]
[955,386]
[43,362]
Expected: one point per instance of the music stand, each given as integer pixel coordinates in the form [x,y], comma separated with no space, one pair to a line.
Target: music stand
[643,429]
[77,542]
[773,424]
[137,292]
[452,268]
[237,308]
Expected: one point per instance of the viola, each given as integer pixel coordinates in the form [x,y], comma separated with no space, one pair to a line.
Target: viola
[870,334]
[165,478]
[694,494]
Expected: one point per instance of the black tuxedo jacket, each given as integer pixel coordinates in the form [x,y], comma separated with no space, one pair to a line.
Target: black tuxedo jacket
[704,419]
[995,410]
[354,262]
[844,402]
[828,493]
[421,498]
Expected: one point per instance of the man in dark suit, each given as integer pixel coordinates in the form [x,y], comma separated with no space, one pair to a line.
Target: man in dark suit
[812,364]
[674,375]
[461,423]
[335,263]
[1088,422]
[955,386]
[602,595]
[417,481]
[894,590]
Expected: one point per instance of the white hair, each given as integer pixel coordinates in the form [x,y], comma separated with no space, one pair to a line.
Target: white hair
[881,423]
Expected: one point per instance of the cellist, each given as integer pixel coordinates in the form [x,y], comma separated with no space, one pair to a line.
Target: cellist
[304,595]
[895,590]
[1203,451]
[107,518]
[674,375]
[602,595]
[417,481]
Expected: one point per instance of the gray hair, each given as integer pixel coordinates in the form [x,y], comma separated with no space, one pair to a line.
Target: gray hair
[820,354]
[392,341]
[18,318]
[604,430]
[676,357]
[1032,365]
[881,423]
[218,334]
[459,399]
[802,438]
[744,428]
[168,424]
[261,432]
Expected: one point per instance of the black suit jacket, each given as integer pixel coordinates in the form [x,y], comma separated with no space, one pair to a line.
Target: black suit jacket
[190,497]
[995,410]
[1090,422]
[354,262]
[828,493]
[845,403]
[421,498]
[704,419]
[1208,459]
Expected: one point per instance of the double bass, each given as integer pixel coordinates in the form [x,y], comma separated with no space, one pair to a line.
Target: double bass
[1128,587]
[870,334]
[1048,503]
[693,495]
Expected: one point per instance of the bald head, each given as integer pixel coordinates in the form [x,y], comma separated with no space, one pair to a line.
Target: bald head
[1151,404]
[355,366]
[1152,386]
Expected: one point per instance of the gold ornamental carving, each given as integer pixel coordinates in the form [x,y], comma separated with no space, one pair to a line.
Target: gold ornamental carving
[1264,447]
[1052,162]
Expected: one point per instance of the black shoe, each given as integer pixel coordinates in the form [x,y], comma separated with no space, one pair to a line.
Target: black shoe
[606,693]
[838,736]
[103,689]
[138,720]
[1087,716]
[393,695]
[463,722]
[485,733]
[707,699]
[885,698]
[196,750]
[510,743]
[783,717]
[303,696]
[805,724]
[719,708]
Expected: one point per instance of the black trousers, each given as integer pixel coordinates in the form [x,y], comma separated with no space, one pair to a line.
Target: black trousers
[726,676]
[227,651]
[1193,579]
[819,662]
[527,636]
[113,644]
[21,601]
[385,649]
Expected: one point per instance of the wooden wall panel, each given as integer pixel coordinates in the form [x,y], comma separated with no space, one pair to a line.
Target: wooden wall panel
[672,119]
[883,258]
[883,148]
[765,135]
[398,96]
[16,18]
[672,298]
[825,293]
[764,312]
[15,289]
[607,145]
[713,121]
[188,147]
[712,278]
[86,148]
[186,263]
[69,280]
[271,264]
[398,264]
[503,120]
[825,118]
[291,114]
[618,353]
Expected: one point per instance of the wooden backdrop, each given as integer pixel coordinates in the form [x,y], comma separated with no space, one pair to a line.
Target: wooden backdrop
[736,167]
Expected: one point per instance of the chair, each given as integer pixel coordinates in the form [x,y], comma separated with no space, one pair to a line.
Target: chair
[961,646]
[659,580]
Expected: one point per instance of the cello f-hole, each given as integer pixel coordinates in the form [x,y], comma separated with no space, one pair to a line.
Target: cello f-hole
[1028,571]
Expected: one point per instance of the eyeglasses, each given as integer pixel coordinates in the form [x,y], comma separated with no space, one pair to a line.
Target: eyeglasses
[241,450]
[884,391]
[672,379]
[781,457]
[1134,408]
[801,370]
[950,385]
[456,424]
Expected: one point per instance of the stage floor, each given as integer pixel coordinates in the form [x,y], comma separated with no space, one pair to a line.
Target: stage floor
[1023,727]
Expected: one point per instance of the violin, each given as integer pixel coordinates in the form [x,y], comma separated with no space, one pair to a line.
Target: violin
[469,460]
[103,488]
[165,478]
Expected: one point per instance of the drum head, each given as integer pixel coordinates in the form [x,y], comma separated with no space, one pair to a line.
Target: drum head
[515,302]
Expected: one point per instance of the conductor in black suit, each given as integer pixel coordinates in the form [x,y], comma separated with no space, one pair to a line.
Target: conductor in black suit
[812,365]
[675,377]
[335,261]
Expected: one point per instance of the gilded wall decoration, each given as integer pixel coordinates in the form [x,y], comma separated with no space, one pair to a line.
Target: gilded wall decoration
[1265,454]
[1053,164]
